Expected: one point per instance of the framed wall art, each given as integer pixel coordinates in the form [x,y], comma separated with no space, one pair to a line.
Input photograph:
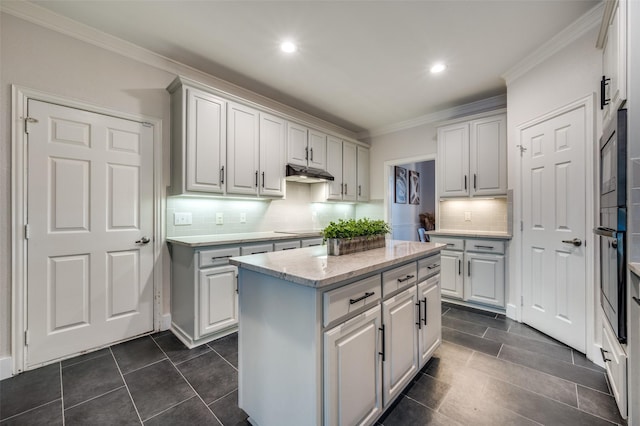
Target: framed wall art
[414,187]
[401,185]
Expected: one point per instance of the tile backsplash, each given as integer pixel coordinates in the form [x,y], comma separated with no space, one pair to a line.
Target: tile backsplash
[474,215]
[295,212]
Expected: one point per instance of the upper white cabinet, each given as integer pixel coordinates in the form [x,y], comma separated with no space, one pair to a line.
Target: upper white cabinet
[342,165]
[472,157]
[306,147]
[613,90]
[255,152]
[199,141]
[363,173]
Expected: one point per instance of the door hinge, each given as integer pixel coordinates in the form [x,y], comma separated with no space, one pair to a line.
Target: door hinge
[27,121]
[521,226]
[27,232]
[26,337]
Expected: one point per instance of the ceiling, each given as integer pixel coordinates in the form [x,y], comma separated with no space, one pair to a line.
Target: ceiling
[362,64]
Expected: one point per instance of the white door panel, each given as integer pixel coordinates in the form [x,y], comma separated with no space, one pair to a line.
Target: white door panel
[90,198]
[554,205]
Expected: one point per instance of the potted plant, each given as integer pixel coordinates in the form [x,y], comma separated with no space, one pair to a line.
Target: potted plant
[350,236]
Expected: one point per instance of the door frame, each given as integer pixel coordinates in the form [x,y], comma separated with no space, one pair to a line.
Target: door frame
[389,187]
[20,95]
[591,204]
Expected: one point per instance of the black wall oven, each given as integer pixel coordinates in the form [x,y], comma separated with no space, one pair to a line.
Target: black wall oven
[613,223]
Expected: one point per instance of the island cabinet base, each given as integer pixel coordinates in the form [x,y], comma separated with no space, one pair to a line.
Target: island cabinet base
[337,354]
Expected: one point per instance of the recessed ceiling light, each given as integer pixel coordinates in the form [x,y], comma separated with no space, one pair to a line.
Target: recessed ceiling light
[439,67]
[288,47]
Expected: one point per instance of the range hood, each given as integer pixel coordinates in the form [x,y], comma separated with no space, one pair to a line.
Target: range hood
[303,174]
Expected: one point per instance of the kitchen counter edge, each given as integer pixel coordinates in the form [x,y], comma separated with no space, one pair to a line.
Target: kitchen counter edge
[312,267]
[241,238]
[471,234]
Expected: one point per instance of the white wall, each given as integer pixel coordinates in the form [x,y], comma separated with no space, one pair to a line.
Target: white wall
[569,75]
[45,60]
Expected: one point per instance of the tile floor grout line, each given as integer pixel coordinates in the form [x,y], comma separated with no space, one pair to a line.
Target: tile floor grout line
[500,350]
[217,353]
[135,407]
[189,384]
[61,393]
[144,366]
[31,409]
[224,396]
[173,406]
[85,360]
[573,359]
[189,359]
[95,397]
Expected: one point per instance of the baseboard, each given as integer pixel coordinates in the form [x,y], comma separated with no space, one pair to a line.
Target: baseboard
[165,322]
[512,311]
[6,370]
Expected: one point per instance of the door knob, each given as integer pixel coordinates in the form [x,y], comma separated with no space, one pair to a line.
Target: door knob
[143,240]
[576,242]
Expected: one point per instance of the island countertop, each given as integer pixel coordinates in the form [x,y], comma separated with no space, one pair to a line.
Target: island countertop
[312,266]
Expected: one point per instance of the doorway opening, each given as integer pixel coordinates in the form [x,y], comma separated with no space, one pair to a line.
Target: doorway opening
[410,199]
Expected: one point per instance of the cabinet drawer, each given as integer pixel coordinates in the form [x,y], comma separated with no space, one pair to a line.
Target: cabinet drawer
[485,246]
[256,248]
[350,298]
[217,257]
[452,243]
[428,267]
[399,278]
[286,245]
[312,242]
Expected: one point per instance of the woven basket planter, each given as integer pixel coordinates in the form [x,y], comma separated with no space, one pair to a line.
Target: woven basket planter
[340,246]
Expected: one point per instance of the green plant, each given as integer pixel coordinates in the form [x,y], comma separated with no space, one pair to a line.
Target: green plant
[355,228]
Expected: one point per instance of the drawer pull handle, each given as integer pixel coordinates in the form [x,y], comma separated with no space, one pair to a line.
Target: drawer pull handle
[259,252]
[383,345]
[635,299]
[450,244]
[419,323]
[407,278]
[459,267]
[364,296]
[604,357]
[435,265]
[289,248]
[314,245]
[469,267]
[485,247]
[222,257]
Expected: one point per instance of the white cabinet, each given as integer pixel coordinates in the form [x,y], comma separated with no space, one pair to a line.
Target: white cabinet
[198,156]
[256,144]
[352,371]
[342,165]
[218,307]
[430,319]
[473,270]
[633,347]
[400,359]
[349,171]
[363,173]
[472,157]
[306,147]
[613,91]
[616,365]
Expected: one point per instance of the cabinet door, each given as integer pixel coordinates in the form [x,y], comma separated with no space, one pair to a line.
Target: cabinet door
[399,318]
[206,142]
[349,165]
[453,156]
[363,173]
[484,279]
[218,300]
[242,150]
[272,155]
[488,156]
[451,270]
[297,151]
[334,167]
[430,330]
[352,371]
[317,150]
[614,60]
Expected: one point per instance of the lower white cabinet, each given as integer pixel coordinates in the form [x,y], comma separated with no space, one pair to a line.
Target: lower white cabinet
[452,278]
[430,328]
[616,365]
[218,297]
[352,371]
[484,281]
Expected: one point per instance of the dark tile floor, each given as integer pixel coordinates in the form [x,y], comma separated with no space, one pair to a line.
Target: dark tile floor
[489,370]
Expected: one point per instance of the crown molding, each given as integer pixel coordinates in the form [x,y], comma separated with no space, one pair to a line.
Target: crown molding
[45,18]
[489,104]
[577,29]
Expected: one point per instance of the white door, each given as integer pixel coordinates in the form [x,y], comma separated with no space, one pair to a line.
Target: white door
[242,150]
[218,300]
[272,154]
[317,150]
[335,188]
[453,153]
[363,173]
[488,156]
[353,372]
[451,270]
[554,186]
[297,149]
[349,164]
[90,217]
[484,280]
[430,329]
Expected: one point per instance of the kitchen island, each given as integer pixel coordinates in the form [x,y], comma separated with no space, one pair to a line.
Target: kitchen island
[334,339]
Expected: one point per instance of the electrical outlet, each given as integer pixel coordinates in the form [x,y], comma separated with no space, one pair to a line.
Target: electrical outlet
[243,217]
[182,219]
[219,218]
[467,216]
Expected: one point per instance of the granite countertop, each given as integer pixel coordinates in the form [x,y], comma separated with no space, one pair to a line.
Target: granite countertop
[635,268]
[240,238]
[312,266]
[470,234]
